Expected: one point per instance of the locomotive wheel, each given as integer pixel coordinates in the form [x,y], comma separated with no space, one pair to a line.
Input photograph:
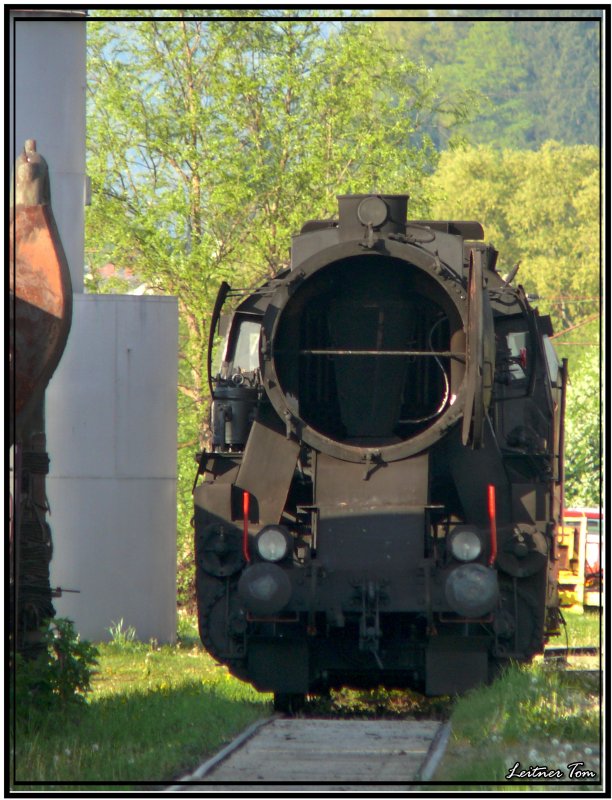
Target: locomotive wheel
[221,624]
[289,703]
[521,638]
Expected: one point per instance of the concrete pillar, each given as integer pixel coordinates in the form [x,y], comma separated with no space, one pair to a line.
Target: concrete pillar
[47,103]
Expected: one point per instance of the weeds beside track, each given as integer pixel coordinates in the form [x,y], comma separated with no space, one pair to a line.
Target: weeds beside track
[156,712]
[153,713]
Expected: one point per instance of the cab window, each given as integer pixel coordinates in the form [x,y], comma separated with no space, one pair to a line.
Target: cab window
[246,348]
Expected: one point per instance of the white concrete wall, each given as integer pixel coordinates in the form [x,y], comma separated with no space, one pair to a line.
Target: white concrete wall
[47,103]
[111,436]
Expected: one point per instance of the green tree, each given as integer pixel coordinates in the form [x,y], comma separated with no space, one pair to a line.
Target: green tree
[211,141]
[583,432]
[562,59]
[490,62]
[538,207]
[532,78]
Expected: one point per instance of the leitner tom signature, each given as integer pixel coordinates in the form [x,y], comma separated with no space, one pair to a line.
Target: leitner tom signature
[574,772]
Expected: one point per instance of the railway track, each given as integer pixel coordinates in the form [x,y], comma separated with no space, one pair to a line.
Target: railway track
[344,753]
[284,752]
[561,653]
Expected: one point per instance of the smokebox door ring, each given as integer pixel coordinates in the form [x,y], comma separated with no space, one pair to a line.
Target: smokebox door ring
[412,257]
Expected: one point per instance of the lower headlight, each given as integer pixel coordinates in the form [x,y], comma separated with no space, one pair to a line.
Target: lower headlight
[272,543]
[471,590]
[465,544]
[264,588]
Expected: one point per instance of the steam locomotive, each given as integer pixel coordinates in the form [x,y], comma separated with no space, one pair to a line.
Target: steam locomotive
[380,500]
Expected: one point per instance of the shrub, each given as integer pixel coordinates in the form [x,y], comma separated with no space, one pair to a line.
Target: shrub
[60,675]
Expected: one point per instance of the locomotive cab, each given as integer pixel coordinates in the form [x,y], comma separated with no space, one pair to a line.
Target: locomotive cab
[379,501]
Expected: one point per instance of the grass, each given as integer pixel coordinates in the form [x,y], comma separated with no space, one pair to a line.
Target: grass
[582,629]
[154,713]
[530,715]
[537,715]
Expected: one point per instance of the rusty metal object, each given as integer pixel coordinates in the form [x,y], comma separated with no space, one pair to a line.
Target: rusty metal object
[40,316]
[40,287]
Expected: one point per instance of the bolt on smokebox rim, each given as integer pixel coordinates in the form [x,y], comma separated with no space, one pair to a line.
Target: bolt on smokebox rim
[413,257]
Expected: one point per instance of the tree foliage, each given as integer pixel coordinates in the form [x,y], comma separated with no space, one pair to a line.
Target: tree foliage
[61,675]
[533,75]
[583,430]
[211,141]
[538,207]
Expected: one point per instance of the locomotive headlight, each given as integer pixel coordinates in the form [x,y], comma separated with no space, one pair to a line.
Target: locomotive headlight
[272,543]
[471,590]
[264,588]
[465,544]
